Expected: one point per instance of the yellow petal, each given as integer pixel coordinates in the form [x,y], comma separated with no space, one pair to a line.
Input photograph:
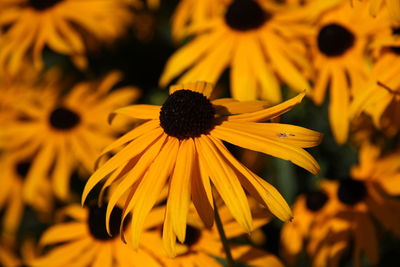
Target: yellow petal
[339,106]
[134,174]
[257,187]
[65,232]
[143,112]
[225,181]
[150,187]
[122,157]
[249,140]
[179,188]
[285,133]
[269,113]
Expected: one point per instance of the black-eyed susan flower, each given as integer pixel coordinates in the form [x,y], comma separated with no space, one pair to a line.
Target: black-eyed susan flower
[310,209]
[65,26]
[256,39]
[180,144]
[60,134]
[338,50]
[83,241]
[350,212]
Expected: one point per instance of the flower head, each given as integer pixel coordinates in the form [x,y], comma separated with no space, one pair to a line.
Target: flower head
[59,134]
[249,37]
[180,145]
[59,24]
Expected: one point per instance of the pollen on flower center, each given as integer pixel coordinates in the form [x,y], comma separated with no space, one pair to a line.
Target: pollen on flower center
[22,168]
[351,191]
[316,200]
[334,40]
[192,236]
[42,4]
[245,15]
[97,222]
[62,118]
[187,114]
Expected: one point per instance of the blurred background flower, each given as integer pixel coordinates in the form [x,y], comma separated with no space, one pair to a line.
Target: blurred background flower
[68,66]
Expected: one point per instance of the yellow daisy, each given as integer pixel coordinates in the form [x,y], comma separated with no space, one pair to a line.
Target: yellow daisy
[310,209]
[182,140]
[60,133]
[84,241]
[338,56]
[203,245]
[356,202]
[65,26]
[257,40]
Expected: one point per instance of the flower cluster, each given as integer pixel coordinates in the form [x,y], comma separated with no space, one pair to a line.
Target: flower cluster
[199,133]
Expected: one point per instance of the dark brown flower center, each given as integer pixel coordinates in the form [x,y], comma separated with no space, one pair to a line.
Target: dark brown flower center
[187,114]
[316,200]
[351,191]
[245,15]
[62,118]
[42,4]
[395,49]
[97,222]
[192,236]
[334,40]
[22,169]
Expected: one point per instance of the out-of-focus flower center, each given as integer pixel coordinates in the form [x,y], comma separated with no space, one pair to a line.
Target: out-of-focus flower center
[42,4]
[396,49]
[22,169]
[192,236]
[97,222]
[187,114]
[245,15]
[62,118]
[334,40]
[316,200]
[351,191]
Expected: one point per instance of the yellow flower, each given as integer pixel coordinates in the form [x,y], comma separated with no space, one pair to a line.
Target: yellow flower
[348,213]
[181,140]
[60,133]
[339,59]
[65,26]
[84,241]
[310,209]
[257,40]
[7,258]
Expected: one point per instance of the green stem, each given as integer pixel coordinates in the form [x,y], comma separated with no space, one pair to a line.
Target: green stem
[224,240]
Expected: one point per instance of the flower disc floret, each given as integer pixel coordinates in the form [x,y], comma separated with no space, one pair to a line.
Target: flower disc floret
[334,40]
[245,15]
[97,227]
[316,200]
[351,191]
[43,4]
[187,114]
[62,118]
